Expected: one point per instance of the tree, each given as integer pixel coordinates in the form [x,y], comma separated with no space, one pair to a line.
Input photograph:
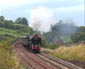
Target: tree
[64,28]
[1,19]
[21,21]
[8,24]
[50,35]
[79,35]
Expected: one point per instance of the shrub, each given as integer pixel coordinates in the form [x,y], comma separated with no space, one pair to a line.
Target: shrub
[7,60]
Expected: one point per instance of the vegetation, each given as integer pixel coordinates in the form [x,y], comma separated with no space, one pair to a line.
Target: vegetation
[22,21]
[9,32]
[45,44]
[64,29]
[7,58]
[79,35]
[71,53]
[74,52]
[10,29]
[13,30]
[10,25]
[2,18]
[50,35]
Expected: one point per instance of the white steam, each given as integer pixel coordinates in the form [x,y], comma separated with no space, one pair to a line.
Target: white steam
[41,19]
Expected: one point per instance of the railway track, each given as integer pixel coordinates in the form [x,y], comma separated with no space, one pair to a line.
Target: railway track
[32,60]
[40,61]
[60,63]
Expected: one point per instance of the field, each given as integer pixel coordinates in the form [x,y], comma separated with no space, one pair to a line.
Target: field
[75,52]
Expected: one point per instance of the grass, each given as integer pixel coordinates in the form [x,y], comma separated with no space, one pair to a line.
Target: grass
[9,32]
[4,32]
[65,38]
[74,52]
[7,59]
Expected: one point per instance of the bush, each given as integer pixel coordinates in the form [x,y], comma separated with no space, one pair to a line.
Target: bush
[79,35]
[7,60]
[45,44]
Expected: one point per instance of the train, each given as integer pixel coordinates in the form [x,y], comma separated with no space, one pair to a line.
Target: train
[26,41]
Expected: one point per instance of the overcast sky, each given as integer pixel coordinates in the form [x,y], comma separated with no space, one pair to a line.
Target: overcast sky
[52,9]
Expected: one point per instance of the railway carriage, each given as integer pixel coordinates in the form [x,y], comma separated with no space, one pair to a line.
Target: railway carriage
[26,42]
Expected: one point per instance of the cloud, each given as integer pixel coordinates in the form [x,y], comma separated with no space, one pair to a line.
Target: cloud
[58,9]
[5,4]
[74,13]
[41,18]
[69,9]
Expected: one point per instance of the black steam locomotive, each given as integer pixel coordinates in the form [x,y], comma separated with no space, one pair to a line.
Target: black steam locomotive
[27,43]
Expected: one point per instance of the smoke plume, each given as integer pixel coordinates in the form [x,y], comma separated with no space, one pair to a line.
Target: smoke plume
[41,19]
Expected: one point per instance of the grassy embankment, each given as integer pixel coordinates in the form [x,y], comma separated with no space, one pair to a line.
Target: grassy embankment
[75,52]
[11,33]
[7,57]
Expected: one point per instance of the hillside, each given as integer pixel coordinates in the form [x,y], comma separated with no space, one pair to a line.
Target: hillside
[9,32]
[10,29]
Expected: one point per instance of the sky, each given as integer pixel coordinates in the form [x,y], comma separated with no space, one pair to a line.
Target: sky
[43,13]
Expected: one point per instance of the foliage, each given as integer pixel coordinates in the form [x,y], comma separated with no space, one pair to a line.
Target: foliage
[66,39]
[7,24]
[7,60]
[74,52]
[50,35]
[10,25]
[52,46]
[22,21]
[1,19]
[21,24]
[79,35]
[63,29]
[5,33]
[45,44]
[9,29]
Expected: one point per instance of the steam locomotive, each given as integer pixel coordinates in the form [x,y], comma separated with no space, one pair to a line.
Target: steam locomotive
[27,43]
